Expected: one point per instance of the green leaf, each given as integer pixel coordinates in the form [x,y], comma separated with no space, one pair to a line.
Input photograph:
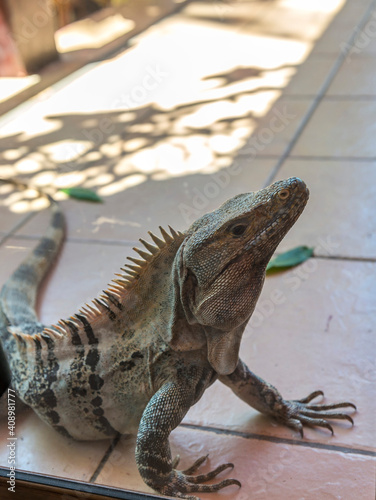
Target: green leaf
[290,258]
[81,194]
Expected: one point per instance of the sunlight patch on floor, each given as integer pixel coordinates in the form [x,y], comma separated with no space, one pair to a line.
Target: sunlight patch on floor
[122,184]
[322,6]
[64,151]
[10,86]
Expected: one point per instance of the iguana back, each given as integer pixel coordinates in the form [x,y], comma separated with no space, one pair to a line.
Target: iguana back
[114,342]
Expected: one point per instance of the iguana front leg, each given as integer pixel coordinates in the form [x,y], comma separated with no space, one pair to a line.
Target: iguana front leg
[163,413]
[266,399]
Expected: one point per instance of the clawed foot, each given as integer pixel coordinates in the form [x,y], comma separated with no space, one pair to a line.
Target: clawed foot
[183,482]
[295,413]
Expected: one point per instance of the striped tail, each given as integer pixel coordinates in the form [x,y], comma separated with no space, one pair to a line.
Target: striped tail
[18,295]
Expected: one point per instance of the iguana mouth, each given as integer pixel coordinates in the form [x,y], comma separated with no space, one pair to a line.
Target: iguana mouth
[262,235]
[278,223]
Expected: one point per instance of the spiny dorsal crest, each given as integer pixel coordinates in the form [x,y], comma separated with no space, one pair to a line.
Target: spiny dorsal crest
[25,339]
[111,299]
[131,273]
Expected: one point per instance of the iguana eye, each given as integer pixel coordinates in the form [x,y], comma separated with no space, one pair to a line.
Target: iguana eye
[284,194]
[238,230]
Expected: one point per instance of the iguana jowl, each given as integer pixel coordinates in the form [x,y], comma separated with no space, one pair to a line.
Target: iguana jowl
[139,357]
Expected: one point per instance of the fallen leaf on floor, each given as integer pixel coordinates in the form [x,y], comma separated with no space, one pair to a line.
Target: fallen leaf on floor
[290,258]
[81,194]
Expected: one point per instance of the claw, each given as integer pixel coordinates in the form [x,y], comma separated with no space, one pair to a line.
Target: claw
[209,488]
[206,488]
[181,484]
[210,475]
[317,414]
[300,412]
[175,462]
[297,425]
[316,422]
[193,468]
[332,406]
[309,398]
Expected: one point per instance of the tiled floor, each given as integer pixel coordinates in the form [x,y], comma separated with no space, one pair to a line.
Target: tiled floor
[218,76]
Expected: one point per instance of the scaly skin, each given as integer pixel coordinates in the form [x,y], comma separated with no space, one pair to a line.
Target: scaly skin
[139,357]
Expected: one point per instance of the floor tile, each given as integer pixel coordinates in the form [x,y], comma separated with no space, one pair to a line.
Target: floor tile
[310,76]
[265,469]
[364,42]
[9,219]
[343,27]
[280,20]
[356,77]
[277,128]
[340,129]
[312,329]
[41,449]
[83,270]
[339,217]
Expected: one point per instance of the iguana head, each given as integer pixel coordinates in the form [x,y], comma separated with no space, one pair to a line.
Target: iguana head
[223,259]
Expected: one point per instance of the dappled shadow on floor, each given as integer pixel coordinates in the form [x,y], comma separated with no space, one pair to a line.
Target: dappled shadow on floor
[104,149]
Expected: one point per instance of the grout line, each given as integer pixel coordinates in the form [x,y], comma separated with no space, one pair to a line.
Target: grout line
[105,457]
[267,156]
[358,97]
[320,95]
[345,257]
[363,159]
[329,97]
[18,226]
[119,243]
[36,237]
[335,257]
[130,243]
[274,439]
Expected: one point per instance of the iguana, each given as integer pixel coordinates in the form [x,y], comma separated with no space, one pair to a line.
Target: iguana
[137,358]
